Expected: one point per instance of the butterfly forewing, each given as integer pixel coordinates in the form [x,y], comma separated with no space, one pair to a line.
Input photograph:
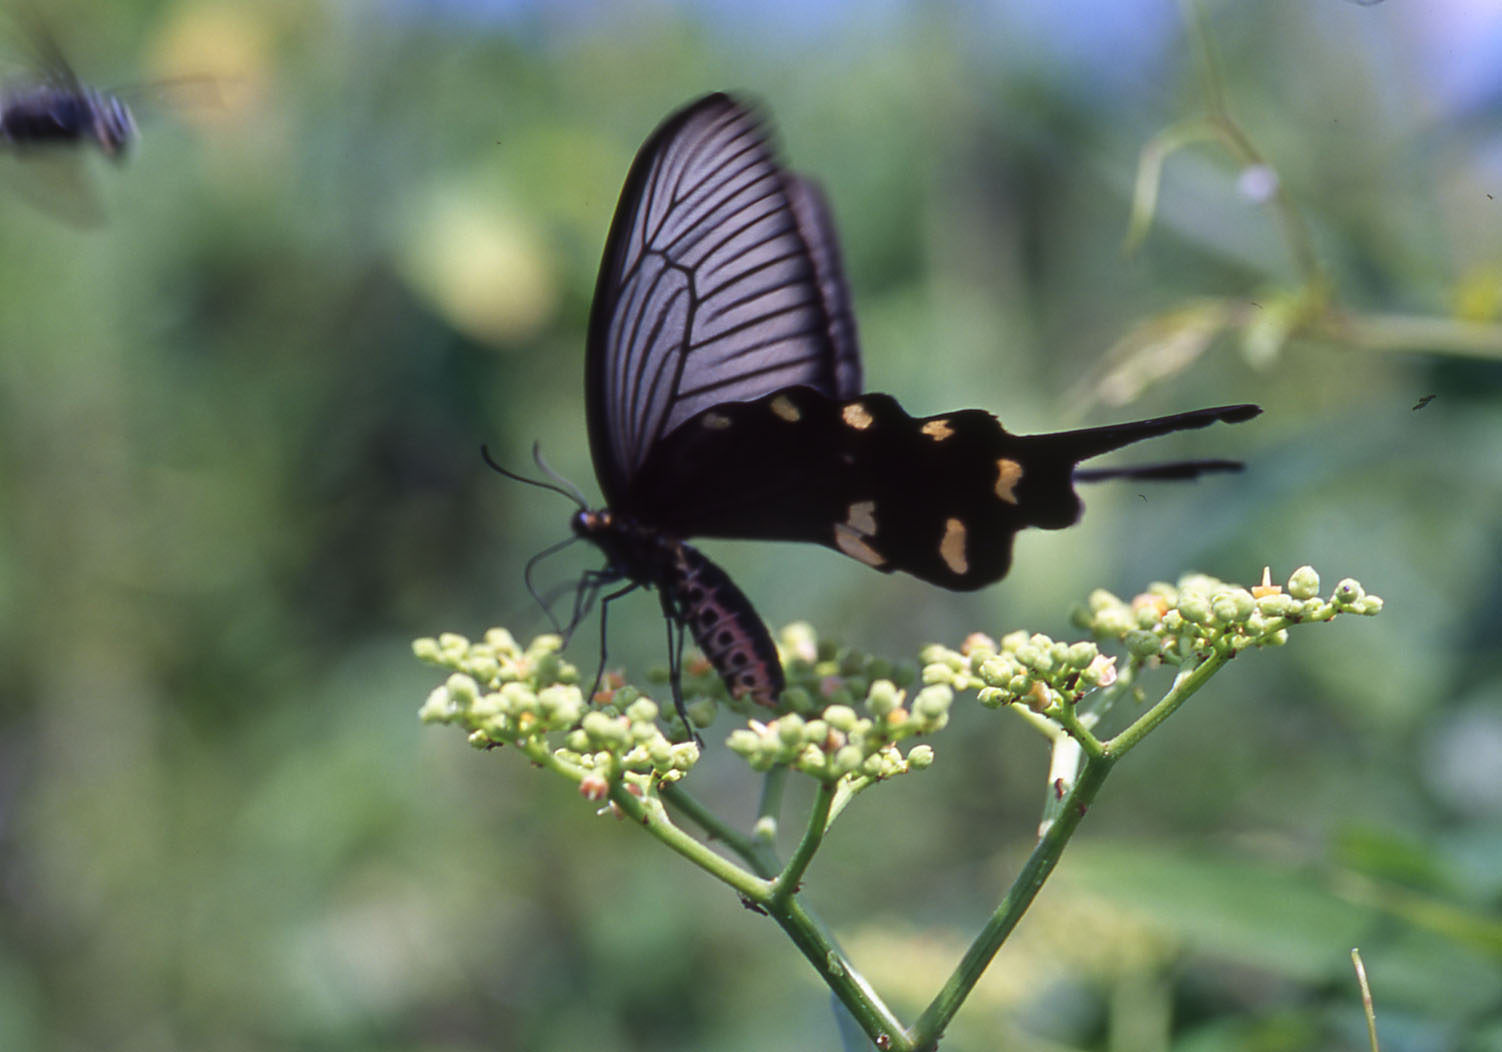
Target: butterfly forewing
[709,291]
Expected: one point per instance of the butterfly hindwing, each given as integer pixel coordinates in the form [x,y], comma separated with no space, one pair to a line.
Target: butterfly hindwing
[939,497]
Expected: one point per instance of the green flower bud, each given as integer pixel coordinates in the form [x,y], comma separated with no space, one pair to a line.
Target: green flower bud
[1347,592]
[1081,654]
[604,729]
[577,741]
[920,757]
[427,649]
[797,699]
[790,729]
[439,708]
[811,760]
[883,697]
[840,717]
[1146,615]
[1233,605]
[452,643]
[743,742]
[1012,640]
[840,697]
[1303,583]
[992,697]
[846,759]
[560,705]
[1117,621]
[1195,608]
[997,670]
[660,750]
[684,755]
[934,654]
[502,642]
[701,711]
[462,689]
[1277,605]
[1370,605]
[1101,600]
[1141,644]
[642,710]
[931,708]
[938,674]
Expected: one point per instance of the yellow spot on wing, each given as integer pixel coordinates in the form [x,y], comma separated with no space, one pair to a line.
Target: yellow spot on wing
[857,416]
[952,547]
[852,544]
[715,421]
[783,407]
[861,517]
[938,430]
[1008,474]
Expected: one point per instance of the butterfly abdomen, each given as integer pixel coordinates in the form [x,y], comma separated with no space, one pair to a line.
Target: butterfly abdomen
[724,624]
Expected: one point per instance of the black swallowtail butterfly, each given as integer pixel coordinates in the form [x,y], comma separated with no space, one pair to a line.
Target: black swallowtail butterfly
[723,391]
[59,110]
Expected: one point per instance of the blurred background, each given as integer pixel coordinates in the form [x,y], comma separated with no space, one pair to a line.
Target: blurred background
[245,376]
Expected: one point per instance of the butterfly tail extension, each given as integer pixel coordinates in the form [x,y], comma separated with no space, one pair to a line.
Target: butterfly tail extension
[725,626]
[1093,441]
[1046,490]
[1167,471]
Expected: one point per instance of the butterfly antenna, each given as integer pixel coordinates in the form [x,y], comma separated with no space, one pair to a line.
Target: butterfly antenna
[559,485]
[546,605]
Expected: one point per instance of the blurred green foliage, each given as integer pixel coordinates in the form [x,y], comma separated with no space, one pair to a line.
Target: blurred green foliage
[239,471]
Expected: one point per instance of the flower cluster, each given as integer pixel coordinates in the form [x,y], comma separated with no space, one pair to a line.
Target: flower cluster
[842,741]
[1171,623]
[505,695]
[1034,670]
[1178,623]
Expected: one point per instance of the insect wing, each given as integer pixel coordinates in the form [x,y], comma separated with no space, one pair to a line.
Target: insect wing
[720,283]
[938,497]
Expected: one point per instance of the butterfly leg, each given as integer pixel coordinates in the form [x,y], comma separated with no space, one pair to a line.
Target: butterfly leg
[674,619]
[604,650]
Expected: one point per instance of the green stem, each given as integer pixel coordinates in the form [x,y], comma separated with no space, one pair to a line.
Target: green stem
[1185,684]
[936,1017]
[819,948]
[759,854]
[652,816]
[787,883]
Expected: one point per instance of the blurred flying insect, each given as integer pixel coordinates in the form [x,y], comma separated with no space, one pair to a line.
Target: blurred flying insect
[53,108]
[64,114]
